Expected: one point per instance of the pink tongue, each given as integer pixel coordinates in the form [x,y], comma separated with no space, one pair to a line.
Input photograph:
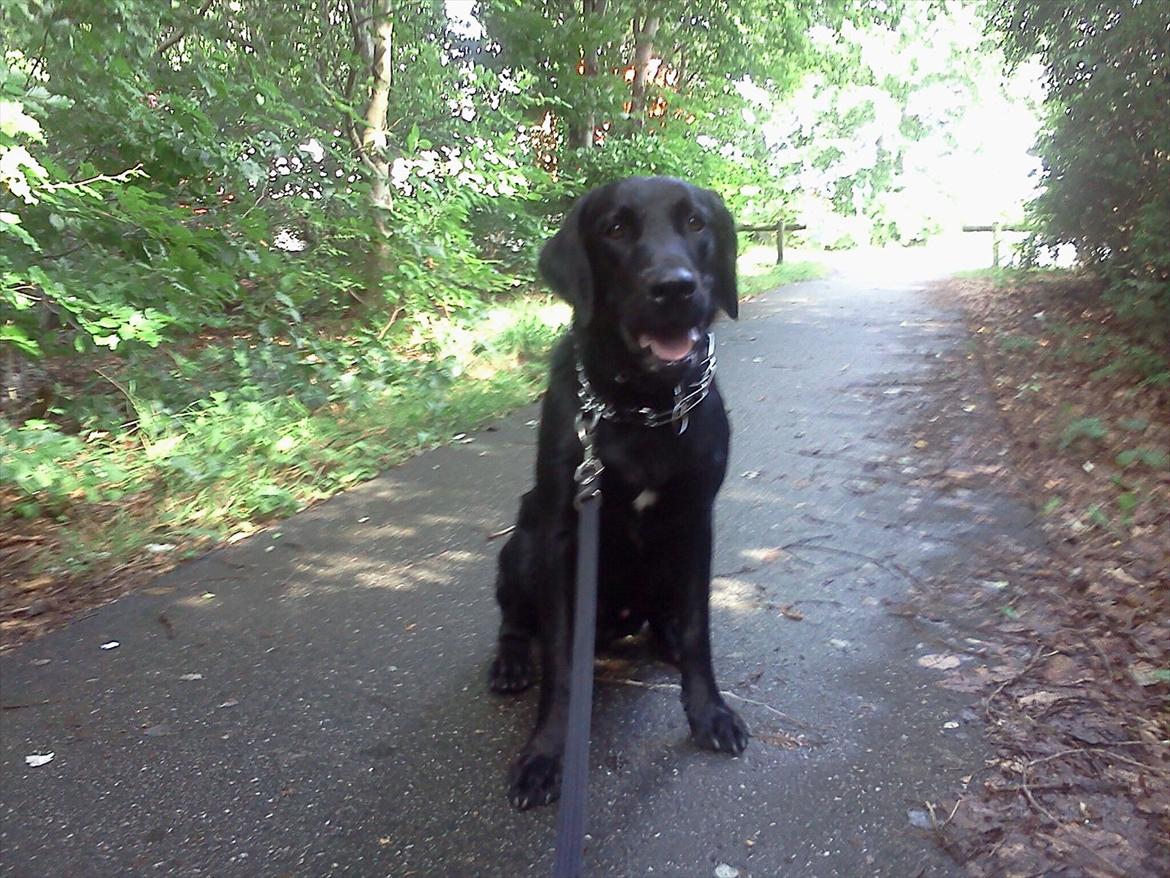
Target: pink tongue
[667,348]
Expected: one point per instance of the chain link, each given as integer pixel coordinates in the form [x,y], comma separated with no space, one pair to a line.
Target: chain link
[588,473]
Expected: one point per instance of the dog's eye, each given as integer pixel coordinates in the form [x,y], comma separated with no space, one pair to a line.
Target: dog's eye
[695,223]
[617,229]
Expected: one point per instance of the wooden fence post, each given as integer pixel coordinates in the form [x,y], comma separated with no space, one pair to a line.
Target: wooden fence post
[779,228]
[995,229]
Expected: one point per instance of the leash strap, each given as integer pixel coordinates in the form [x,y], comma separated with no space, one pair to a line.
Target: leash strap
[570,835]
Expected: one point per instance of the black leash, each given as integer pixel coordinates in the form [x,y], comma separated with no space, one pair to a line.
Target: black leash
[570,839]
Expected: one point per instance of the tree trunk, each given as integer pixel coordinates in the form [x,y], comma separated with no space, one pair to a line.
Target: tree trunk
[581,132]
[645,27]
[378,43]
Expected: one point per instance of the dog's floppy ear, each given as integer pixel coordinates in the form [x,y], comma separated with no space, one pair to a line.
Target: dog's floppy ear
[564,264]
[726,292]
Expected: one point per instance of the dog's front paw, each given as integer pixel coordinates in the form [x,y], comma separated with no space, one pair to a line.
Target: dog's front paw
[717,727]
[510,673]
[535,779]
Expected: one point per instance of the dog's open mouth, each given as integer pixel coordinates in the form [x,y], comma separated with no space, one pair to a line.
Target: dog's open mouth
[669,347]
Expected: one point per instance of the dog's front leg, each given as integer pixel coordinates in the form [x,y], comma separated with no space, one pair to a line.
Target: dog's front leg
[714,725]
[535,777]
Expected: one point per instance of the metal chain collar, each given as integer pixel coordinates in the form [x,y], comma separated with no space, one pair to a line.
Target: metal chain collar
[587,476]
[686,397]
[593,408]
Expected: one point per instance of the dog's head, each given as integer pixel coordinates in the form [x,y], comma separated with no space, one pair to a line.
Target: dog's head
[648,260]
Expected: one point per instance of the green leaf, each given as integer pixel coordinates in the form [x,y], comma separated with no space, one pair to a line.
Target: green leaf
[10,224]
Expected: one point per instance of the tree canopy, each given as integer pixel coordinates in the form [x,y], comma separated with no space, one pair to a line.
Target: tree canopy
[275,215]
[1105,143]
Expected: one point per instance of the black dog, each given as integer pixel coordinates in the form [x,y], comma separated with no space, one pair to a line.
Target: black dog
[645,262]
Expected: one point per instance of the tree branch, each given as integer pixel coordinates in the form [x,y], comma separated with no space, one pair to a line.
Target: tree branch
[181,32]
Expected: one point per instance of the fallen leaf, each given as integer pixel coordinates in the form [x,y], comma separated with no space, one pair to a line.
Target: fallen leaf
[1062,670]
[1039,699]
[918,819]
[994,584]
[1123,576]
[1145,674]
[780,739]
[940,662]
[766,556]
[974,680]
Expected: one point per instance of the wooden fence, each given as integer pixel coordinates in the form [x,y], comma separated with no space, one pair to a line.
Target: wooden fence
[779,228]
[995,229]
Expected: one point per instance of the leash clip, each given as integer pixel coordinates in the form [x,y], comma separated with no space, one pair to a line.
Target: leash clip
[587,476]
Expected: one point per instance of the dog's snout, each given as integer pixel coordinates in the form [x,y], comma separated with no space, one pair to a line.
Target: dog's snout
[675,284]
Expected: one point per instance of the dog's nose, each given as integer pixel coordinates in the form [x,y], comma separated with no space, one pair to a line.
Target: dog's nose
[677,283]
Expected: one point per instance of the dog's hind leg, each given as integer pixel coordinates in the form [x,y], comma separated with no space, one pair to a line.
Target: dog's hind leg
[511,670]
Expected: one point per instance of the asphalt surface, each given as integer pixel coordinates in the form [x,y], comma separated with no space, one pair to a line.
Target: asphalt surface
[340,724]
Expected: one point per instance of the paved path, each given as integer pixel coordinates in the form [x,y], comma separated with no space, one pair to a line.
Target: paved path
[340,725]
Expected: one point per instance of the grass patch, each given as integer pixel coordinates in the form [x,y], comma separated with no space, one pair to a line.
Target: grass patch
[1008,276]
[1110,352]
[1090,431]
[1011,342]
[759,279]
[252,429]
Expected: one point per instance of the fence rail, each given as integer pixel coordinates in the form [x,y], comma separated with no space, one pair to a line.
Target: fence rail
[779,228]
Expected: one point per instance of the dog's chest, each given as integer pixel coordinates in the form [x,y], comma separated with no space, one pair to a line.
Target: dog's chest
[644,501]
[644,464]
[646,461]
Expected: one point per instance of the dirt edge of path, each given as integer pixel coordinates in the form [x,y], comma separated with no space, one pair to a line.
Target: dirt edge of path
[1073,634]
